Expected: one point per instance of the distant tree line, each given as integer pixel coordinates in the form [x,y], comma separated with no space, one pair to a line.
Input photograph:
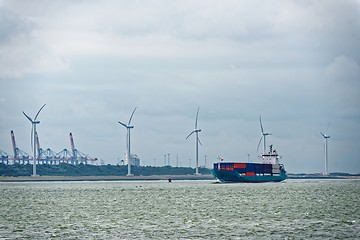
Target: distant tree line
[65,169]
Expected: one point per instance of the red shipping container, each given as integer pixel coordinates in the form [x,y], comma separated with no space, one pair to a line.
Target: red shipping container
[250,173]
[230,168]
[239,165]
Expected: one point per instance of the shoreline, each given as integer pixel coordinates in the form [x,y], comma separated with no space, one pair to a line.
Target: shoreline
[105,178]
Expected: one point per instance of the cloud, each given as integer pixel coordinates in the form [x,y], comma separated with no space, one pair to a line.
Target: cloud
[21,51]
[344,68]
[234,32]
[12,27]
[343,87]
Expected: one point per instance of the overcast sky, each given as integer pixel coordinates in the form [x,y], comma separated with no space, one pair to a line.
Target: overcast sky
[295,63]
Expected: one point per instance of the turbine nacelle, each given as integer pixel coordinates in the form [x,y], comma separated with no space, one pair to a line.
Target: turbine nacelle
[324,135]
[30,119]
[126,125]
[194,131]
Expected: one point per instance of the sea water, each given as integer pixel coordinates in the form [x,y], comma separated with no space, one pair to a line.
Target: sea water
[294,209]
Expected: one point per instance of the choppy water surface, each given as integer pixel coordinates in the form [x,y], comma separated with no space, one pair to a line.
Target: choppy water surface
[323,209]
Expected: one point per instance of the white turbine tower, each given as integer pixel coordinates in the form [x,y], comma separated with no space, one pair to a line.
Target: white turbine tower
[263,136]
[326,137]
[196,131]
[33,136]
[128,127]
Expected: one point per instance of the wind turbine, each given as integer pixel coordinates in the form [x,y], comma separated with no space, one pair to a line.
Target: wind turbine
[196,131]
[326,137]
[263,136]
[33,136]
[128,127]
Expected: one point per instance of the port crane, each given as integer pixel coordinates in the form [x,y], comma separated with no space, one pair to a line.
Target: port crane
[47,156]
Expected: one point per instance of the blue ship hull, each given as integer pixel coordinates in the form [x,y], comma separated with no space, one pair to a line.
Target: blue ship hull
[231,176]
[249,172]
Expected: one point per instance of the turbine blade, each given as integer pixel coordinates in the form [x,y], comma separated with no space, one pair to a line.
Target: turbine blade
[199,141]
[262,129]
[27,116]
[257,149]
[197,115]
[127,141]
[38,149]
[132,115]
[322,134]
[31,137]
[39,111]
[190,134]
[122,124]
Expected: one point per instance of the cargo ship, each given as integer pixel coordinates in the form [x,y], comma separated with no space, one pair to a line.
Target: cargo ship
[269,170]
